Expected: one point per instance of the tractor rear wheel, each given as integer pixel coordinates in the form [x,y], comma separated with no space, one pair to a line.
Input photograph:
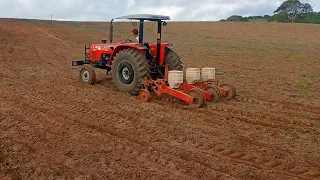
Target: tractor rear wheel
[87,74]
[173,60]
[129,68]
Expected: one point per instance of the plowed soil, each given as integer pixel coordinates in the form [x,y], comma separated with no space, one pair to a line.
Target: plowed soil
[54,127]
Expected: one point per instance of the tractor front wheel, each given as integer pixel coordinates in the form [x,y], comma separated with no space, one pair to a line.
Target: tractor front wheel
[87,74]
[129,68]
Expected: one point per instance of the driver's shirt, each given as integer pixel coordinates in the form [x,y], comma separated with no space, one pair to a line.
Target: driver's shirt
[137,39]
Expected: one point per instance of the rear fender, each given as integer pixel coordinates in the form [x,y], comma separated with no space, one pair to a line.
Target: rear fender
[164,48]
[119,48]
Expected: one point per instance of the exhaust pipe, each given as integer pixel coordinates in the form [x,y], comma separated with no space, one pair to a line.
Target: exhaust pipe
[111,32]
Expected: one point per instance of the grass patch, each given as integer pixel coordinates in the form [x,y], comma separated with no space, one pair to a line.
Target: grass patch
[287,58]
[242,172]
[304,85]
[261,69]
[259,59]
[258,20]
[317,127]
[303,75]
[237,75]
[236,121]
[211,55]
[314,77]
[240,105]
[301,57]
[231,144]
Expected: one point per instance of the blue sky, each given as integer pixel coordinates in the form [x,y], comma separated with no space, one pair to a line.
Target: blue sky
[104,10]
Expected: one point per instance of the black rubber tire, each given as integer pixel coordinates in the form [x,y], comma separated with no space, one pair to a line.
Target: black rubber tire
[173,60]
[87,74]
[138,67]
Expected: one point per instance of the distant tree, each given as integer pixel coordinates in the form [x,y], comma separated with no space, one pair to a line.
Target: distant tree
[236,18]
[266,17]
[313,18]
[292,8]
[255,17]
[280,18]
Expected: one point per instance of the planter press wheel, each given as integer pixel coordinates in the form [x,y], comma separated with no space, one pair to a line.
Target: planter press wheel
[231,91]
[215,93]
[144,95]
[199,99]
[87,74]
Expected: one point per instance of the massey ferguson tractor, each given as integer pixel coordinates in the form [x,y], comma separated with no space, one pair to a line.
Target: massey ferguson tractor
[140,67]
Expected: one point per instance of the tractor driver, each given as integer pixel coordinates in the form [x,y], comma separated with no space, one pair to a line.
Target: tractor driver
[135,33]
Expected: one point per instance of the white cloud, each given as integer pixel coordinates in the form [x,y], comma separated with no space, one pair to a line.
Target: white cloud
[215,10]
[172,11]
[130,4]
[104,10]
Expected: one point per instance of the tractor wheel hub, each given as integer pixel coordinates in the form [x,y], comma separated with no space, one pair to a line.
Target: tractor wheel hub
[125,73]
[85,76]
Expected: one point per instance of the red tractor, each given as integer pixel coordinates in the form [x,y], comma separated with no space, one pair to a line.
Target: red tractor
[140,67]
[130,62]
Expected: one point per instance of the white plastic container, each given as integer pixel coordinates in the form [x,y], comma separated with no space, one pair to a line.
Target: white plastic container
[192,75]
[175,78]
[208,73]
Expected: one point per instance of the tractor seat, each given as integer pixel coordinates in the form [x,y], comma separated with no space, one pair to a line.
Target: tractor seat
[149,55]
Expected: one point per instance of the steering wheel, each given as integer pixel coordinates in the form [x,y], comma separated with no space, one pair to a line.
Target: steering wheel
[128,41]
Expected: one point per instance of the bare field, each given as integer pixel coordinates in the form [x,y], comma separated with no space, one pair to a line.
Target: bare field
[54,127]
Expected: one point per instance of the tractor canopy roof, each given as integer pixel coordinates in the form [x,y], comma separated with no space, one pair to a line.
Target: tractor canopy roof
[149,17]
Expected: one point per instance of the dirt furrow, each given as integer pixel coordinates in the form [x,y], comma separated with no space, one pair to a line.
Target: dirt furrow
[269,164]
[247,117]
[204,127]
[266,119]
[281,104]
[142,155]
[255,160]
[35,114]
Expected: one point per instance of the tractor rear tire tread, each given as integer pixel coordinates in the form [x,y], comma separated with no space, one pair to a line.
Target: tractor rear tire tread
[174,61]
[142,70]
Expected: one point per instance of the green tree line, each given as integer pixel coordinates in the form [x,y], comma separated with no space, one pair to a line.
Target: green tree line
[290,11]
